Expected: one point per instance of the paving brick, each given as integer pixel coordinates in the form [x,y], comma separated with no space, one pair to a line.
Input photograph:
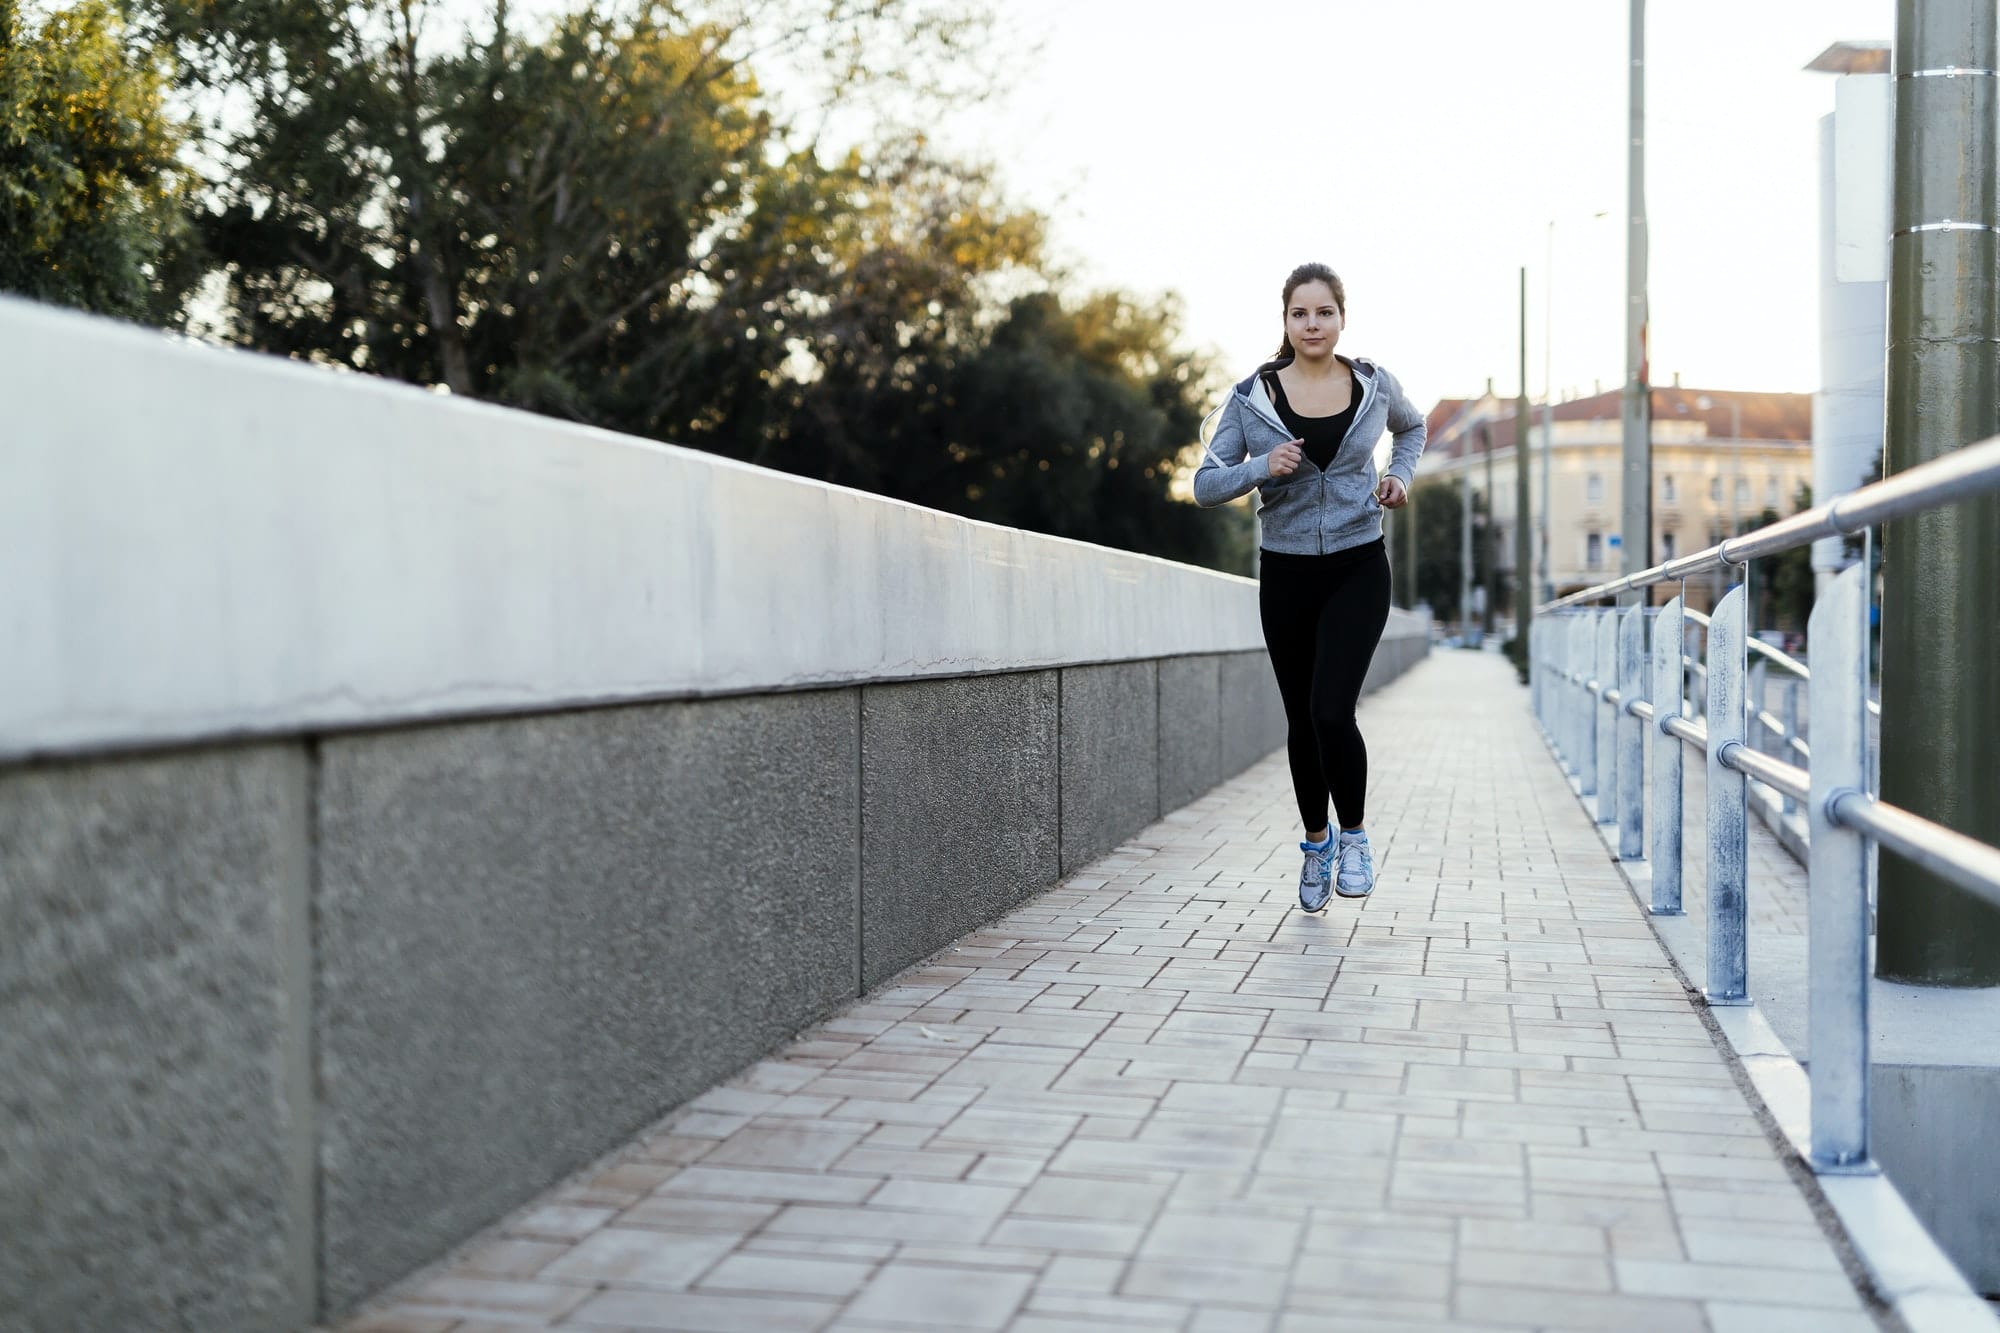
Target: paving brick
[703,1312]
[939,1297]
[789,1274]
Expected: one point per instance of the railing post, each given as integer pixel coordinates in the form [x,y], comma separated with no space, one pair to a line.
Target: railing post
[1605,626]
[1755,733]
[1583,649]
[1539,655]
[1669,702]
[1631,734]
[1837,861]
[1728,849]
[1791,719]
[1538,674]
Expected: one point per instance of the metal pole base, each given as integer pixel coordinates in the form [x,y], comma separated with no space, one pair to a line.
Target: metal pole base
[1865,1167]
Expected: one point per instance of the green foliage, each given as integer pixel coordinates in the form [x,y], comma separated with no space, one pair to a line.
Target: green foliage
[92,196]
[1783,584]
[612,219]
[1440,541]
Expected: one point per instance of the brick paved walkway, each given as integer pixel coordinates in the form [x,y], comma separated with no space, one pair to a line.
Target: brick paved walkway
[1159,1097]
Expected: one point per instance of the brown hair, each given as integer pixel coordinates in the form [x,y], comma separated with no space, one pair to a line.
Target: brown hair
[1302,275]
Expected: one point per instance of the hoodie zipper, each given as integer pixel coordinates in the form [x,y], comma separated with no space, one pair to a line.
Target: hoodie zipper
[1269,411]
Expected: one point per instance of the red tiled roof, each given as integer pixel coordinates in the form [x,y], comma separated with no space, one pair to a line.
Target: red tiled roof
[1765,416]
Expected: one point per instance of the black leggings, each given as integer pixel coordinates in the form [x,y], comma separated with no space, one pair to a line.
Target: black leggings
[1323,616]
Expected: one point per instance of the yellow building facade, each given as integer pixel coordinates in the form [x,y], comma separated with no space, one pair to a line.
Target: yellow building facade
[1720,459]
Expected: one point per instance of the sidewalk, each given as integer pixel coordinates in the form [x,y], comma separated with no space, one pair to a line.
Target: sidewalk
[1159,1097]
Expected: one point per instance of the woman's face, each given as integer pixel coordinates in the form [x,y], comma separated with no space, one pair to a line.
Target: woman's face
[1313,321]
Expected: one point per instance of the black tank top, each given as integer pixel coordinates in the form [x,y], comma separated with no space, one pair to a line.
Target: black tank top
[1322,435]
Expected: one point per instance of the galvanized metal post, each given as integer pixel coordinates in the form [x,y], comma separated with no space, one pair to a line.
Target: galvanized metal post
[1584,636]
[1791,720]
[1669,702]
[1558,700]
[1631,735]
[1605,625]
[1837,921]
[1755,732]
[1728,833]
[1537,641]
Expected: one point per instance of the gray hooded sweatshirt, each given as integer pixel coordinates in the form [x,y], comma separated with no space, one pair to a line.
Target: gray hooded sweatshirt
[1310,512]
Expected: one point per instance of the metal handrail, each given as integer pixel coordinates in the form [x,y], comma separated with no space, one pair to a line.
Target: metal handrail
[1598,687]
[1792,781]
[1966,862]
[1778,657]
[1782,659]
[1958,475]
[1694,733]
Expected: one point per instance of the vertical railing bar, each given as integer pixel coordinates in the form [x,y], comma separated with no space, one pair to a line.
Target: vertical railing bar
[1586,709]
[1541,647]
[1837,863]
[1669,701]
[1756,735]
[1631,734]
[1606,626]
[1791,721]
[1728,850]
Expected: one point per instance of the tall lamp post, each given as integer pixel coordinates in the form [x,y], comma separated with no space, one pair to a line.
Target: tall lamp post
[1636,480]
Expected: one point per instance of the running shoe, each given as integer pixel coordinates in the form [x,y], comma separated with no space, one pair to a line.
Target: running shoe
[1314,876]
[1355,877]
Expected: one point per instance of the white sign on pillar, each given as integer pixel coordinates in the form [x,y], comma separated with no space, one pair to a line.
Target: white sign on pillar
[1862,143]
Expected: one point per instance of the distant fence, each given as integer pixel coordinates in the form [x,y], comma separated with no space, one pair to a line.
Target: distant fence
[403,801]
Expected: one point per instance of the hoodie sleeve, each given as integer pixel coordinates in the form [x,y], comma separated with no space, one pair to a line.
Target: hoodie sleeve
[1406,426]
[1225,474]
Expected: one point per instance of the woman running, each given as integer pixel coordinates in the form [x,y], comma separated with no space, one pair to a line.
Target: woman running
[1301,432]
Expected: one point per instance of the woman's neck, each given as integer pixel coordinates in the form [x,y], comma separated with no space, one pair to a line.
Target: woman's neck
[1317,370]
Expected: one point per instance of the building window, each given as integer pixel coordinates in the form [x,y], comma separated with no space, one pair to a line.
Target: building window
[1667,489]
[1593,490]
[1667,546]
[1742,491]
[1593,551]
[1715,489]
[1771,493]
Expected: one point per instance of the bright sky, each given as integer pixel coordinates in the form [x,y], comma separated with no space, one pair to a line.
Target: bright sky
[1421,147]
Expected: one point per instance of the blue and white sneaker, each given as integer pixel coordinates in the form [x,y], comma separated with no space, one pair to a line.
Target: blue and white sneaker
[1314,876]
[1356,876]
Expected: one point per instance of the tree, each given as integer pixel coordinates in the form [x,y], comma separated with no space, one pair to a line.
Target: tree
[1783,584]
[93,198]
[1440,531]
[614,220]
[543,220]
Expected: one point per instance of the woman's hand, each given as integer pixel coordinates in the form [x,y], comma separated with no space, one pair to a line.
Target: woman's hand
[1390,494]
[1286,457]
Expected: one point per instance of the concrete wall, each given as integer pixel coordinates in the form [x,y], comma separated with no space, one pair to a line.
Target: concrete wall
[152,1031]
[565,802]
[239,545]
